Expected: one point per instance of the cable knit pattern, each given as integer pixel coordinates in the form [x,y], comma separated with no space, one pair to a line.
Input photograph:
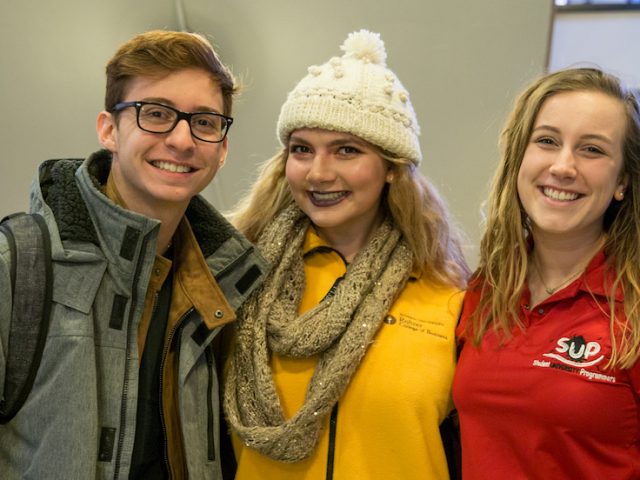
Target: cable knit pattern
[357,94]
[339,330]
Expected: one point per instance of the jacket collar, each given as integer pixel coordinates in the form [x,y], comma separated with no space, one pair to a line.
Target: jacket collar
[69,193]
[313,243]
[599,277]
[72,189]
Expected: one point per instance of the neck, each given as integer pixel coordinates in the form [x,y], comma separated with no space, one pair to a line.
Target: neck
[351,240]
[555,264]
[168,213]
[165,236]
[169,218]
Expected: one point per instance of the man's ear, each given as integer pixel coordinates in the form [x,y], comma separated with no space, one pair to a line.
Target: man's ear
[107,131]
[225,150]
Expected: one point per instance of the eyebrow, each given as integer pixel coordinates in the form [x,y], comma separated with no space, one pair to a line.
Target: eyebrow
[169,103]
[589,136]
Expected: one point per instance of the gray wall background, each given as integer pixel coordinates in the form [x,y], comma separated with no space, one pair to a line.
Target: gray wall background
[462,61]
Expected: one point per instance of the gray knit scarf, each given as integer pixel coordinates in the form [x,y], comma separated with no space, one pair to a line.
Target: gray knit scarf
[339,330]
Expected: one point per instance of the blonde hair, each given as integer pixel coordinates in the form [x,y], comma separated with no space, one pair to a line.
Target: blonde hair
[503,263]
[410,199]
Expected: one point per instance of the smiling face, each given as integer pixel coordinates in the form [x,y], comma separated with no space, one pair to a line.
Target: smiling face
[156,173]
[571,169]
[337,179]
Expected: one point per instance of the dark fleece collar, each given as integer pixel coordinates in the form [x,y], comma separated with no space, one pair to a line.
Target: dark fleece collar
[61,193]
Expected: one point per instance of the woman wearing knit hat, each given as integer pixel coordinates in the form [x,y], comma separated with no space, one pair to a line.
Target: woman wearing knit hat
[343,361]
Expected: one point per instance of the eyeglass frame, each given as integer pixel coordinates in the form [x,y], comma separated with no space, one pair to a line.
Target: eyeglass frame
[180,115]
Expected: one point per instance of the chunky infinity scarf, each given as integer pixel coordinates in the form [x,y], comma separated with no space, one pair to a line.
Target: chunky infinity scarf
[339,330]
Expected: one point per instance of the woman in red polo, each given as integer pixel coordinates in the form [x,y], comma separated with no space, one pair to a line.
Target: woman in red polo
[548,382]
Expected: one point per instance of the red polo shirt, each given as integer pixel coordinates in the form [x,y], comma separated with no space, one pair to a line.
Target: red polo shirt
[543,405]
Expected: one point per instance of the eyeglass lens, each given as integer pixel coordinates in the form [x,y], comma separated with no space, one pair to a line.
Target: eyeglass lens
[160,119]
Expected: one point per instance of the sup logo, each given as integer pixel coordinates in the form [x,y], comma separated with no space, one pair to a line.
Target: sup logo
[577,352]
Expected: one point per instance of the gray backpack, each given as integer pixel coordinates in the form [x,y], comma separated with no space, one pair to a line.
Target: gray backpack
[31,287]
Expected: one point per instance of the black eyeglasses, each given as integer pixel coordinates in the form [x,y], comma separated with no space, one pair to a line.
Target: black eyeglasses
[158,118]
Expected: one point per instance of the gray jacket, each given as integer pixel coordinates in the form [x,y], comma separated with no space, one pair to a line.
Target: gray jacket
[79,419]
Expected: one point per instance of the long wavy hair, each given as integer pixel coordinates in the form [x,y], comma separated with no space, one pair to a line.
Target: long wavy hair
[504,247]
[411,200]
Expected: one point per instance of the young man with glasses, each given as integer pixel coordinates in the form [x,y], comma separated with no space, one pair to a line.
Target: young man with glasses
[145,272]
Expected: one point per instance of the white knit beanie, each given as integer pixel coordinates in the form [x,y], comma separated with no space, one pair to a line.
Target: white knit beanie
[356,94]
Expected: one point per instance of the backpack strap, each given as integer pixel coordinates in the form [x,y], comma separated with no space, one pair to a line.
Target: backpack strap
[31,287]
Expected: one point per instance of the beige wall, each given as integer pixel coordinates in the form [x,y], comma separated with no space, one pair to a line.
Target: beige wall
[462,61]
[52,59]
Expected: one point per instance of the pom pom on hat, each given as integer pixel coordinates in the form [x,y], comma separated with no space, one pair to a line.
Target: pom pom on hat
[356,94]
[366,46]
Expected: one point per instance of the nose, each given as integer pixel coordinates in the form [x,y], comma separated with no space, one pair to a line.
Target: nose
[180,137]
[564,164]
[321,169]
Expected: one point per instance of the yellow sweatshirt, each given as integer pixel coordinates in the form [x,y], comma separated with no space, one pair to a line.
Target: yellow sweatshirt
[388,417]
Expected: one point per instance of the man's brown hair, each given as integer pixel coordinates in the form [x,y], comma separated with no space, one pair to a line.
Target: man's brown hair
[159,52]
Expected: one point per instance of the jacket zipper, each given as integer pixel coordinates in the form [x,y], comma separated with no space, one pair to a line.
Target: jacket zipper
[210,433]
[333,423]
[125,388]
[333,420]
[165,350]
